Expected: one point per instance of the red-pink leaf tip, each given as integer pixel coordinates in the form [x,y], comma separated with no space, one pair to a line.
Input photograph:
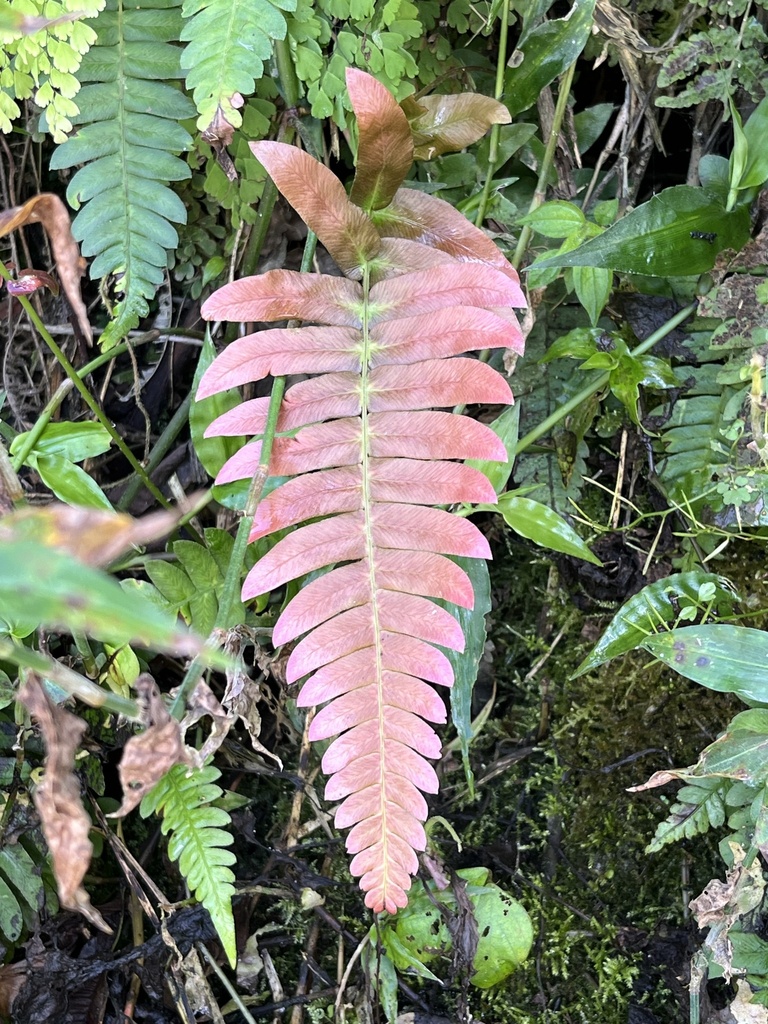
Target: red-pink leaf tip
[369,455]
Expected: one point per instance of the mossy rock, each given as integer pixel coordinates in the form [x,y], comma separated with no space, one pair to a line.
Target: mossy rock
[505,933]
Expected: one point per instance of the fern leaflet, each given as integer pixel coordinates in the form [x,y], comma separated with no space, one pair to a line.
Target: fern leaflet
[197,841]
[227,44]
[700,806]
[129,142]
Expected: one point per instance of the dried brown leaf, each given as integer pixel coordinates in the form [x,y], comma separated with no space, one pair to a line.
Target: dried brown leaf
[147,757]
[47,209]
[57,798]
[242,697]
[204,703]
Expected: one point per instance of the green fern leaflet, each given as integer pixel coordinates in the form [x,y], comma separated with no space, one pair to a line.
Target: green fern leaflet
[227,44]
[129,142]
[699,807]
[197,841]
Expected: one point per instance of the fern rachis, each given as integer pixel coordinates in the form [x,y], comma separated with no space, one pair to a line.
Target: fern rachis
[372,455]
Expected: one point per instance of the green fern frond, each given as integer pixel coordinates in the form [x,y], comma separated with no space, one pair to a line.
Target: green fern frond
[129,143]
[700,806]
[197,841]
[227,44]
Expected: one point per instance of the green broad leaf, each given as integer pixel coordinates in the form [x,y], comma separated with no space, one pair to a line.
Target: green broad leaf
[11,918]
[593,287]
[465,663]
[678,232]
[58,592]
[213,452]
[651,608]
[544,53]
[580,343]
[714,175]
[74,441]
[739,754]
[20,870]
[756,137]
[507,427]
[69,482]
[590,123]
[380,969]
[555,219]
[542,525]
[173,583]
[730,659]
[740,151]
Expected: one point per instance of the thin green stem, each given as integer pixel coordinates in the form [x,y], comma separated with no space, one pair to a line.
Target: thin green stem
[41,423]
[75,684]
[286,73]
[600,382]
[159,451]
[546,164]
[85,394]
[493,147]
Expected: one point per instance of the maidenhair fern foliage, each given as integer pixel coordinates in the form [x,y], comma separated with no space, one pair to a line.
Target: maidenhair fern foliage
[421,287]
[198,841]
[129,138]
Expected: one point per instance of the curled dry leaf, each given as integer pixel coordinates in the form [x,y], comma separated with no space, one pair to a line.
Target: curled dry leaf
[150,755]
[47,209]
[204,702]
[57,799]
[722,904]
[92,535]
[243,695]
[28,281]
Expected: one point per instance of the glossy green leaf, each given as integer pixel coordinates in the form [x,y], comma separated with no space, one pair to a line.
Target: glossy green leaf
[543,526]
[756,136]
[19,869]
[213,452]
[507,426]
[11,919]
[544,53]
[69,482]
[75,441]
[590,123]
[465,663]
[739,754]
[593,287]
[730,659]
[653,606]
[739,153]
[665,237]
[556,219]
[581,343]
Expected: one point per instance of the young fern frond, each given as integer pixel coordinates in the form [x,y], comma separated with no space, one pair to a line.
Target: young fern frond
[129,140]
[198,840]
[699,807]
[371,456]
[227,44]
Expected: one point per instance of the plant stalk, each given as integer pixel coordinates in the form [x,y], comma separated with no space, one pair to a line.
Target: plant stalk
[75,684]
[546,164]
[600,382]
[493,147]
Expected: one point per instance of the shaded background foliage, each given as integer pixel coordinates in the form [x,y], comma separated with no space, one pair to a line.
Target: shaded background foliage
[164,99]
